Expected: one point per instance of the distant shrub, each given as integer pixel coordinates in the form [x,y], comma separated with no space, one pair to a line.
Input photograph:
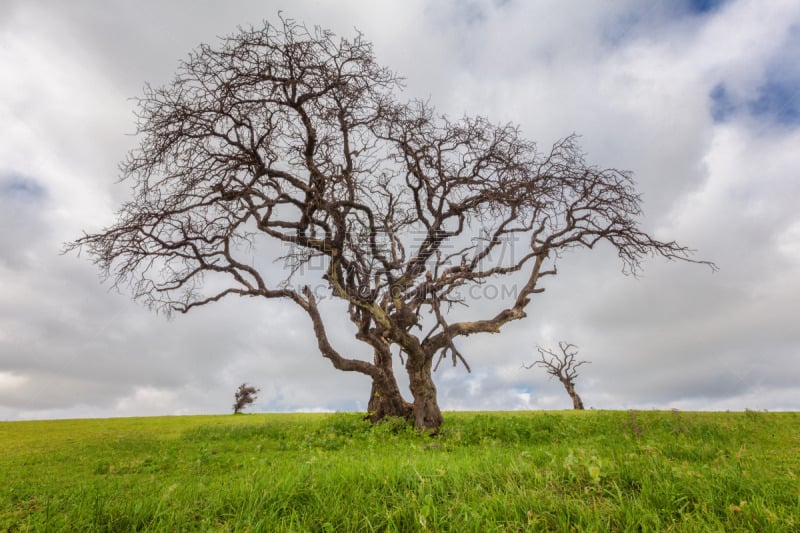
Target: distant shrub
[244,395]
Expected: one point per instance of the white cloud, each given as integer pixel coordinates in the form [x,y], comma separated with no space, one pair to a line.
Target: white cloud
[634,78]
[147,401]
[9,380]
[788,242]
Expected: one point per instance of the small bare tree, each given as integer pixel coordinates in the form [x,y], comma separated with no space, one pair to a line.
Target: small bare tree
[245,395]
[563,366]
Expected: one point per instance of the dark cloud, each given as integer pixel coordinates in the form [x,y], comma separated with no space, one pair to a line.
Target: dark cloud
[23,202]
[18,189]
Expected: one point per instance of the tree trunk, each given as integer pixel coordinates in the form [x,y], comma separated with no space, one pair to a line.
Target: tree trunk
[427,416]
[576,400]
[385,400]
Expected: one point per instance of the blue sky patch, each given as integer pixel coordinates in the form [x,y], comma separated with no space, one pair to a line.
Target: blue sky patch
[723,106]
[779,94]
[701,7]
[778,101]
[777,98]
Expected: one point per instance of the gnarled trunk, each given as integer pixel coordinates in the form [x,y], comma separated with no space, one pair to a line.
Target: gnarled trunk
[577,403]
[426,413]
[385,399]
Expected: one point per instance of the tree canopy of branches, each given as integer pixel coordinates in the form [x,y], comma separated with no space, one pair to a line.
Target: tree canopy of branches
[562,366]
[244,396]
[287,135]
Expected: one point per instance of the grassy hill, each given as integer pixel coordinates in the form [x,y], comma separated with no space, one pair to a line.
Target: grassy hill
[522,471]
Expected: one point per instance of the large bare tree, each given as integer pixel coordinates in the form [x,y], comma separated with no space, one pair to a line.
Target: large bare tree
[287,135]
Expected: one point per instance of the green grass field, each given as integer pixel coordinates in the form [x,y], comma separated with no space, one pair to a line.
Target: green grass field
[527,471]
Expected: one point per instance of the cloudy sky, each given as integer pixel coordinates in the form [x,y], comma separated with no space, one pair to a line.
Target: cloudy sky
[700,99]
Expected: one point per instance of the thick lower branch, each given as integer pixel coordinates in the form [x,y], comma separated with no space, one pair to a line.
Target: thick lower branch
[309,305]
